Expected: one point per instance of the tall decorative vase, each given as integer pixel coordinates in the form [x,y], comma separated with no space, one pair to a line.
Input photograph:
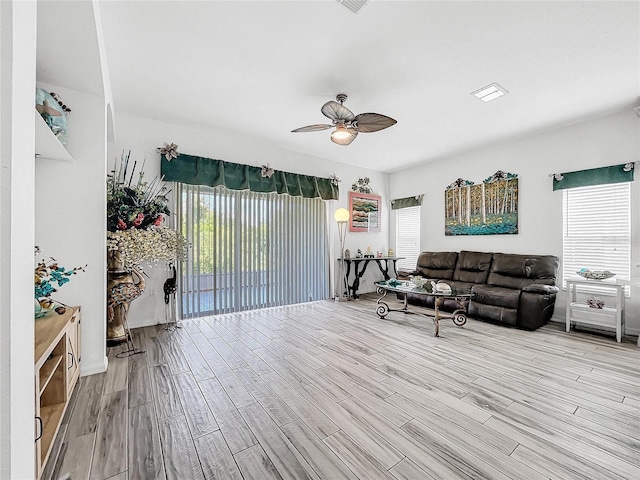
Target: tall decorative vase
[123,287]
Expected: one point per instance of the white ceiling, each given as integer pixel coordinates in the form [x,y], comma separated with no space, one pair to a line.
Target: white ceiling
[264,68]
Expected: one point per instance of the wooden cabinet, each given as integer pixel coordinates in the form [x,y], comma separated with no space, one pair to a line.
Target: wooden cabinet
[73,353]
[57,368]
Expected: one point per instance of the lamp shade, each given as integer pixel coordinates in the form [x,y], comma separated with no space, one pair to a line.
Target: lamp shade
[341,215]
[340,133]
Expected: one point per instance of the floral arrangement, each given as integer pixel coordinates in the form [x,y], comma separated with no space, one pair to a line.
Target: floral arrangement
[48,275]
[154,244]
[135,215]
[137,204]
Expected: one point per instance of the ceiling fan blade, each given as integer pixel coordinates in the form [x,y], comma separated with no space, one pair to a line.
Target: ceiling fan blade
[336,111]
[313,128]
[372,122]
[345,141]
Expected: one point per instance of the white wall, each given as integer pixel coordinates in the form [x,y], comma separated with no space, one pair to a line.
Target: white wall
[17,79]
[143,135]
[71,218]
[608,140]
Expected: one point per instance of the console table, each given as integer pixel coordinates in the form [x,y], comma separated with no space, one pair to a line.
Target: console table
[611,316]
[360,266]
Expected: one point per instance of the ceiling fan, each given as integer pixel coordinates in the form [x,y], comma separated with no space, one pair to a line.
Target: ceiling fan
[346,123]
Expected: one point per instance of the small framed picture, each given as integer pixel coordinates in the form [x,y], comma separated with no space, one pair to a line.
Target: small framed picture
[364,210]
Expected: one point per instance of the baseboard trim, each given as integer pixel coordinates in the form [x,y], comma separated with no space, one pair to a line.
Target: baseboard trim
[92,369]
[149,322]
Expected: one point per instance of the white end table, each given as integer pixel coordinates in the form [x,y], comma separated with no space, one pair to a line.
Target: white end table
[607,316]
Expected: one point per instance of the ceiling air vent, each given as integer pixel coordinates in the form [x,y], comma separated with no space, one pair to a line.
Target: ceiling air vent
[354,6]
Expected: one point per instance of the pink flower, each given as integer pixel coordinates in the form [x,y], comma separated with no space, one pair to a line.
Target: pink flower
[140,216]
[137,221]
[121,224]
[158,221]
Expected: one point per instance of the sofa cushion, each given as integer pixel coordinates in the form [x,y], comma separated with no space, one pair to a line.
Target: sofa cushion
[498,296]
[518,271]
[420,300]
[506,316]
[437,265]
[472,267]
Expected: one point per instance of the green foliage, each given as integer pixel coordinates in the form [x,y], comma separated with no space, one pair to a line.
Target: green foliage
[213,225]
[496,224]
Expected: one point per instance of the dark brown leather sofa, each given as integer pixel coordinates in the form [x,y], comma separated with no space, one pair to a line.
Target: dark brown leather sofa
[515,290]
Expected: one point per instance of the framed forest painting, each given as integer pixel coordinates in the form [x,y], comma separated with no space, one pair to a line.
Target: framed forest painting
[364,210]
[490,208]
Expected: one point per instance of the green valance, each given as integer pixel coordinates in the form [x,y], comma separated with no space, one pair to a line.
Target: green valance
[407,202]
[595,176]
[235,176]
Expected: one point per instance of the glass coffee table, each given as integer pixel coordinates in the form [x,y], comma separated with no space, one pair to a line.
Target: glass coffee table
[461,296]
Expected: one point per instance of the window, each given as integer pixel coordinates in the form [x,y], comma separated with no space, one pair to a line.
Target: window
[597,230]
[250,250]
[408,237]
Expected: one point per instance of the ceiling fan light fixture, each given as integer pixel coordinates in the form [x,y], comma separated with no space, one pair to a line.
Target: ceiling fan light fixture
[340,133]
[347,125]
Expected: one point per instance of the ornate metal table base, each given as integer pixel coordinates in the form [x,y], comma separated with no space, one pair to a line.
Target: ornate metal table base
[459,316]
[360,266]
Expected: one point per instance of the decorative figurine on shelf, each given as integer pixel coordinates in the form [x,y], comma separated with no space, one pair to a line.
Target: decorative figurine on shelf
[390,254]
[359,254]
[379,254]
[54,113]
[347,254]
[368,253]
[595,302]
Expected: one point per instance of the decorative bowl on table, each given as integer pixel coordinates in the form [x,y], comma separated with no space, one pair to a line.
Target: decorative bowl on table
[595,274]
[418,281]
[443,288]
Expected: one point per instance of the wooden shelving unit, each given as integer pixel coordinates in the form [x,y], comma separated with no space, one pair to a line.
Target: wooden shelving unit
[57,359]
[48,370]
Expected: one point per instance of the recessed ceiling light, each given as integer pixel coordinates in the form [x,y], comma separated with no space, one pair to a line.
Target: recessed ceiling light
[490,92]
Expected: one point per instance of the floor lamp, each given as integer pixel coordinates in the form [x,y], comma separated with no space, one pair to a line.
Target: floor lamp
[342,217]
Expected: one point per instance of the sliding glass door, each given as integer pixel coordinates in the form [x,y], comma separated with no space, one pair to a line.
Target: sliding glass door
[250,250]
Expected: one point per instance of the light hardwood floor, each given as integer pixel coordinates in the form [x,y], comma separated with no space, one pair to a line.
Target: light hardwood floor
[329,391]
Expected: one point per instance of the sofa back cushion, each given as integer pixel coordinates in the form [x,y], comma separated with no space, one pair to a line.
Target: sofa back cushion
[472,267]
[518,271]
[437,265]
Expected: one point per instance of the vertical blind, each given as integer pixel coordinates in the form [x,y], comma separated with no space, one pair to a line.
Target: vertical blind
[408,237]
[250,250]
[597,230]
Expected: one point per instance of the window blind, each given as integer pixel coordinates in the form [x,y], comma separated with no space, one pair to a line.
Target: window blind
[597,231]
[250,250]
[408,237]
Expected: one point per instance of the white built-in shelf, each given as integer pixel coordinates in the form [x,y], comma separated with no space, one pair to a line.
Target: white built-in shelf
[47,145]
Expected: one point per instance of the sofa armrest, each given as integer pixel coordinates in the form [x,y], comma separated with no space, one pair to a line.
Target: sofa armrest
[405,274]
[541,288]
